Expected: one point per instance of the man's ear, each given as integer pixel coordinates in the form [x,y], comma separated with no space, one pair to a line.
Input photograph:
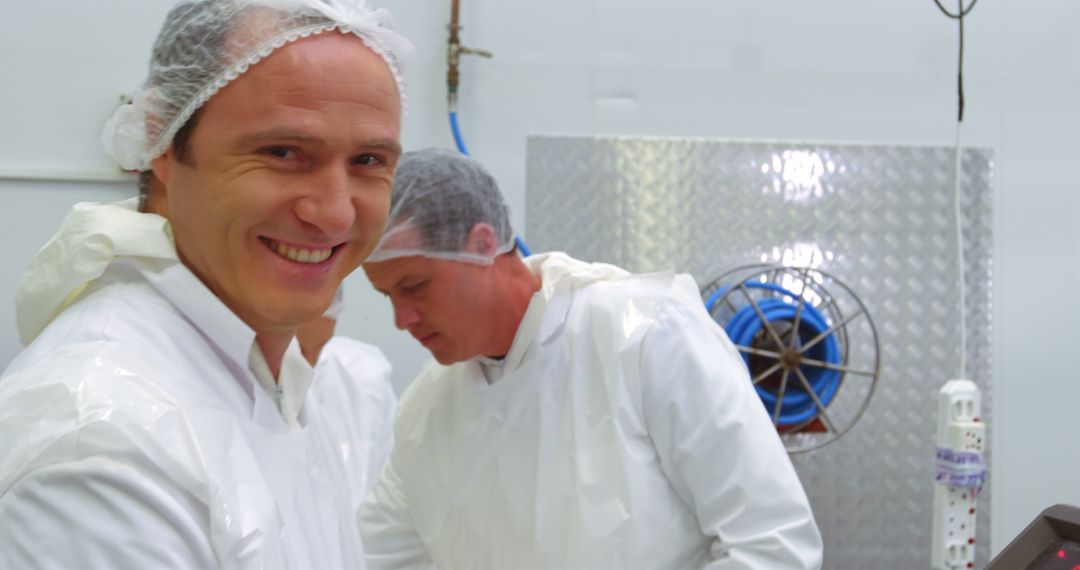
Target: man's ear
[157,190]
[482,240]
[163,165]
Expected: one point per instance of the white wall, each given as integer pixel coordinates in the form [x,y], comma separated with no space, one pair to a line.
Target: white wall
[879,71]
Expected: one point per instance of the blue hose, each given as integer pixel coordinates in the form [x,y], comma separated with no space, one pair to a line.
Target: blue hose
[460,141]
[524,249]
[797,406]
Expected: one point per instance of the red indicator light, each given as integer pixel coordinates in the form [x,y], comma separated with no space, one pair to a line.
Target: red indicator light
[1061,554]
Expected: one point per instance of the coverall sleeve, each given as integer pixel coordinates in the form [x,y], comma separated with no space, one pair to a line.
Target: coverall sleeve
[390,539]
[100,513]
[719,449]
[383,436]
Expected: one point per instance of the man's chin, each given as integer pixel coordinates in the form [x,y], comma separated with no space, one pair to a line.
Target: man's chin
[282,316]
[446,359]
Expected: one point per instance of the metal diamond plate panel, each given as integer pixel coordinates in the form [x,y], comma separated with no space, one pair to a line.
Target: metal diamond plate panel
[880,218]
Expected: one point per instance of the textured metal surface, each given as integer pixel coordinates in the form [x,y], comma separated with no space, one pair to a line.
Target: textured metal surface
[878,217]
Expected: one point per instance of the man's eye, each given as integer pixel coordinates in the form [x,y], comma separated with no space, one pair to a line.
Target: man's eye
[367,160]
[282,152]
[415,288]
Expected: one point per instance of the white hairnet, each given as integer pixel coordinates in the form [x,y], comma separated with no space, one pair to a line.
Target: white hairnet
[439,196]
[205,44]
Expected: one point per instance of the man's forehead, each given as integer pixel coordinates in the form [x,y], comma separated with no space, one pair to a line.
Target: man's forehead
[389,272]
[278,100]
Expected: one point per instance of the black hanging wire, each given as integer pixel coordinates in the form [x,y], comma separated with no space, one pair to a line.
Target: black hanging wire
[962,13]
[959,17]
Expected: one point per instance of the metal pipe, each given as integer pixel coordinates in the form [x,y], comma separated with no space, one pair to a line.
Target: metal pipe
[455,6]
[453,55]
[454,52]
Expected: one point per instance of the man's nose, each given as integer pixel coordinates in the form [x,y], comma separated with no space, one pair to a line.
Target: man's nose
[405,315]
[328,204]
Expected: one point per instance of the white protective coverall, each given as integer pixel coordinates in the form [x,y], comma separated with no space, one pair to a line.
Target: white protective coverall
[350,371]
[621,431]
[133,433]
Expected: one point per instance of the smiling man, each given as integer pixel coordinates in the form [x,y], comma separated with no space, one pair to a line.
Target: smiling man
[161,414]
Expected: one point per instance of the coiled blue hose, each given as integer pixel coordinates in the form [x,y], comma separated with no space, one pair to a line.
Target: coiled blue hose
[460,142]
[797,406]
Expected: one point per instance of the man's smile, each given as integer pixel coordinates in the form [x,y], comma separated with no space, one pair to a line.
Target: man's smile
[300,254]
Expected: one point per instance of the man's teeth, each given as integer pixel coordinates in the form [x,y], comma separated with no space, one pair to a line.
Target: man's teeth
[301,255]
